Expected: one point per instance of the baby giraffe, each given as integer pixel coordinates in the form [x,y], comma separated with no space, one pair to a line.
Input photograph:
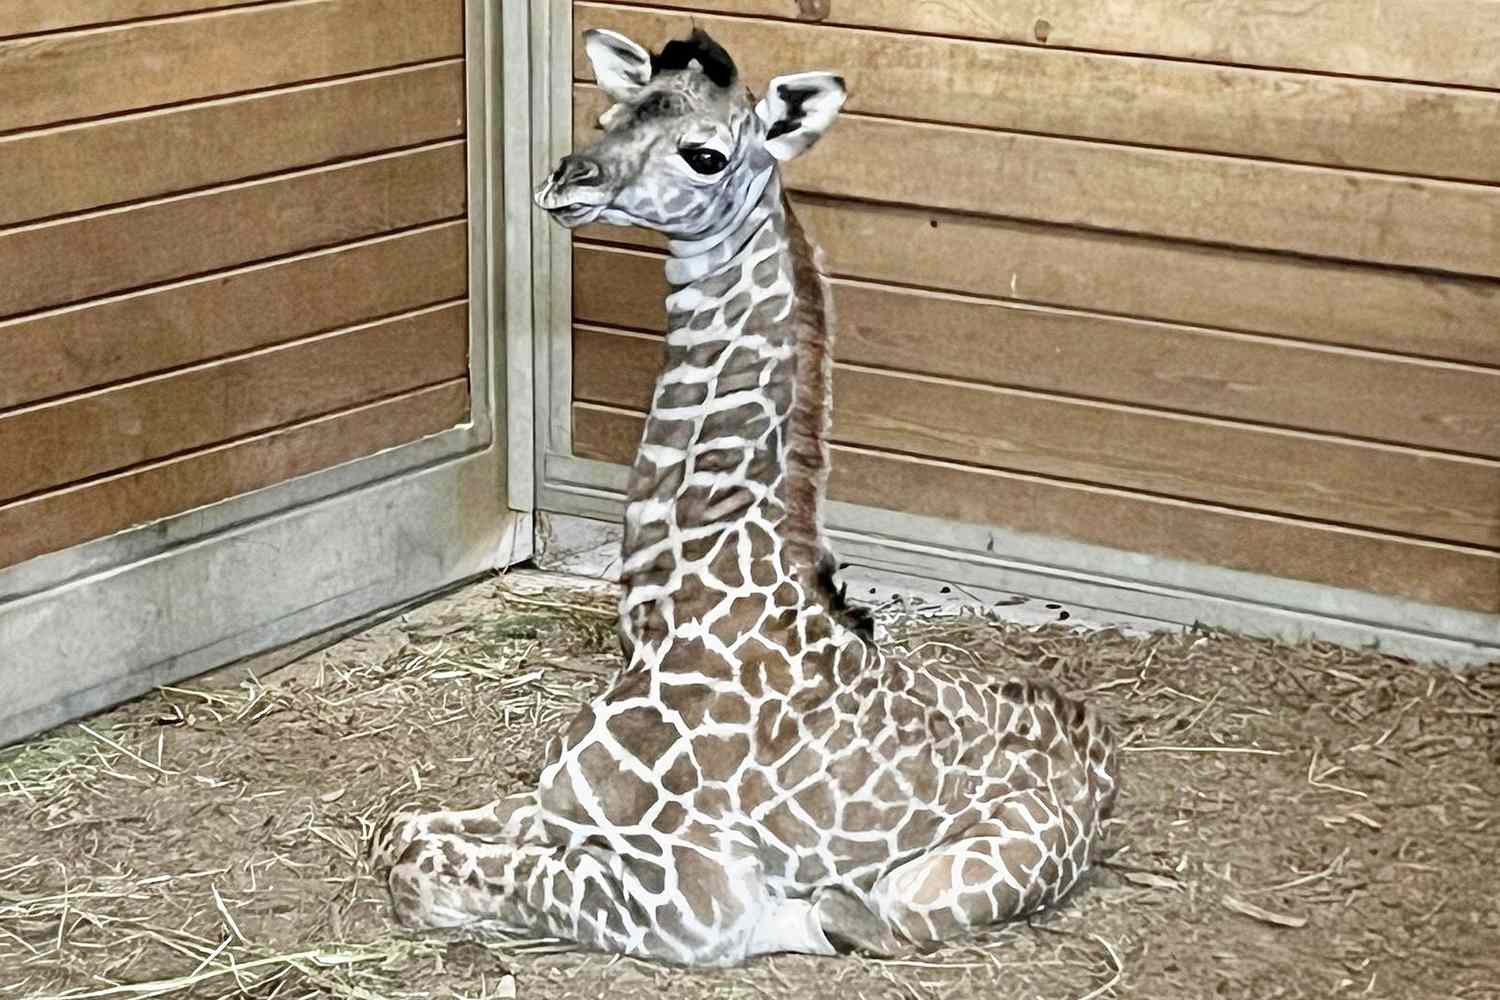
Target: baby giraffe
[759,777]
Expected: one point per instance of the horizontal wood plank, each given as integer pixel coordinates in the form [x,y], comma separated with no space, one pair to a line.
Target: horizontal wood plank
[25,17]
[185,59]
[1441,406]
[1429,573]
[73,349]
[1451,41]
[1442,575]
[1305,118]
[1358,306]
[57,171]
[1419,494]
[54,521]
[1316,211]
[616,368]
[58,443]
[606,435]
[1413,493]
[78,258]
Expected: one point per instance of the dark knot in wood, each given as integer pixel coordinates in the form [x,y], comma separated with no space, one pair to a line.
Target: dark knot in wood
[813,10]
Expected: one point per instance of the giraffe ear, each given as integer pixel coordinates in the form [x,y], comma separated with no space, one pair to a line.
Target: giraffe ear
[797,110]
[621,66]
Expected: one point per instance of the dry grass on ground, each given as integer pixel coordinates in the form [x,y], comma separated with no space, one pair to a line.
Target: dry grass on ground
[1296,822]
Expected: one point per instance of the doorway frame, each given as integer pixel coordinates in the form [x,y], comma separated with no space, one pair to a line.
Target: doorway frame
[98,623]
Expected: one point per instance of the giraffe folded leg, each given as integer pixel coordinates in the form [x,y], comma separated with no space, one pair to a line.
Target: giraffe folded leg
[696,908]
[489,822]
[1026,856]
[850,925]
[446,880]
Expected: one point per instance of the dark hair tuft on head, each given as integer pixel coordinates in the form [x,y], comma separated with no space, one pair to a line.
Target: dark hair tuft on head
[676,54]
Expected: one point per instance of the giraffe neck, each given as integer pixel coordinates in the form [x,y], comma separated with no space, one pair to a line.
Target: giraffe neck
[732,463]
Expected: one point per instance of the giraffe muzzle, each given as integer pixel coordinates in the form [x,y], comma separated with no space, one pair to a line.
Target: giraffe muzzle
[572,194]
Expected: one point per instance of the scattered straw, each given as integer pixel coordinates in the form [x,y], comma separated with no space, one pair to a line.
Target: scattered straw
[1261,913]
[1170,749]
[1115,964]
[244,972]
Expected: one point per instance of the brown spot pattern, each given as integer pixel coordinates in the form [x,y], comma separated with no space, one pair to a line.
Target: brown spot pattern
[643,732]
[720,756]
[623,797]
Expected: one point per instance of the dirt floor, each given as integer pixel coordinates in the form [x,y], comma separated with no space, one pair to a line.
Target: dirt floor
[1302,821]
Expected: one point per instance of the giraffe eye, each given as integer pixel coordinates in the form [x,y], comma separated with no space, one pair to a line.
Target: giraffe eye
[704,160]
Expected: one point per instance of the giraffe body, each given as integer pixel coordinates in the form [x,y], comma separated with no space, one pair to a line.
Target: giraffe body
[760,776]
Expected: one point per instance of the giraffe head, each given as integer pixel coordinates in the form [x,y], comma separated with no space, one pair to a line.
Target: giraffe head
[685,147]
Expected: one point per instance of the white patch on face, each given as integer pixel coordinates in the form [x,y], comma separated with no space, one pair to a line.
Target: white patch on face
[709,135]
[616,116]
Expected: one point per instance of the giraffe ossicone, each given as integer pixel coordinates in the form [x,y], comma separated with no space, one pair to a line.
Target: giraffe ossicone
[760,777]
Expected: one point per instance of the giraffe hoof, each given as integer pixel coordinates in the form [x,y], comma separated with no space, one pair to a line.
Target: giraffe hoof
[850,925]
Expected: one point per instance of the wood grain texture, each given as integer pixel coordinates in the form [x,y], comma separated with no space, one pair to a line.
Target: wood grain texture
[24,17]
[184,59]
[54,521]
[81,167]
[1304,118]
[58,443]
[1432,573]
[1419,494]
[1432,405]
[1322,301]
[1413,493]
[606,435]
[78,258]
[1214,199]
[1452,41]
[73,349]
[1446,576]
[615,368]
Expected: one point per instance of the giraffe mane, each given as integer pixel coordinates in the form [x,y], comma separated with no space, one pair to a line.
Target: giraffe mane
[812,409]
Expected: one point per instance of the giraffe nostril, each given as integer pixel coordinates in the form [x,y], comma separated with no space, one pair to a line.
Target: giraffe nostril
[575,170]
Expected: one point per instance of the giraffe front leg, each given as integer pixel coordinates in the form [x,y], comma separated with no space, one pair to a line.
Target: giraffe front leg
[446,881]
[498,820]
[1026,856]
[685,905]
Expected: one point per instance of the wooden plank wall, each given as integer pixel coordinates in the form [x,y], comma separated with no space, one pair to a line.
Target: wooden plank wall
[233,250]
[1214,282]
